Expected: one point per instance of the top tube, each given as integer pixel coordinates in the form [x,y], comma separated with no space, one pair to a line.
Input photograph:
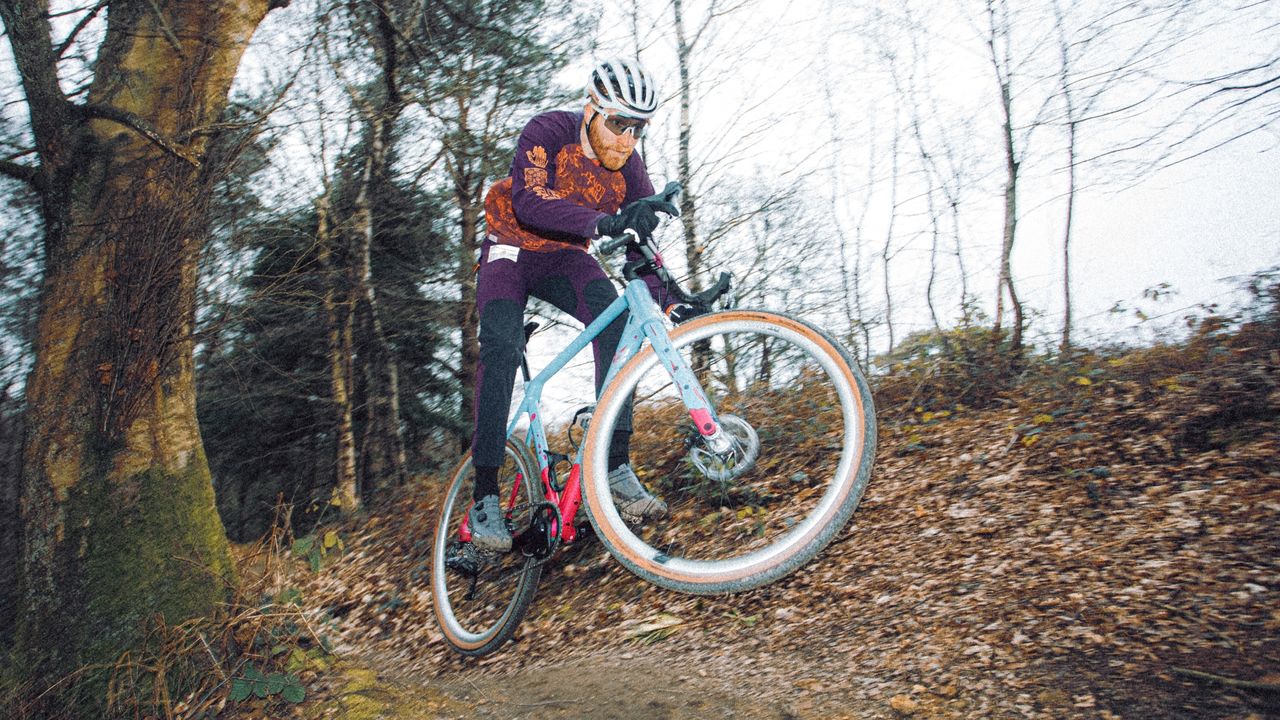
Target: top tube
[635,297]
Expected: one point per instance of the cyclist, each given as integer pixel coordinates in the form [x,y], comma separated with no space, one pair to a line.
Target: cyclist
[575,177]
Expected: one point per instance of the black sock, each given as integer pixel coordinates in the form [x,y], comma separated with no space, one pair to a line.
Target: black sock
[619,450]
[486,482]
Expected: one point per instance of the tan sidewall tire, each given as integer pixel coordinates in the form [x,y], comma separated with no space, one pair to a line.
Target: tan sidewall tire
[477,644]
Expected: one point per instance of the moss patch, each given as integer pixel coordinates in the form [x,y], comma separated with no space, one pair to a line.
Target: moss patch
[361,694]
[155,547]
[136,549]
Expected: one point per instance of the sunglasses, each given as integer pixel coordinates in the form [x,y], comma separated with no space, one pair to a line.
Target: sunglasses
[621,125]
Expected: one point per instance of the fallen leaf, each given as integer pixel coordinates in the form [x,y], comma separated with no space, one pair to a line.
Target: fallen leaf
[903,704]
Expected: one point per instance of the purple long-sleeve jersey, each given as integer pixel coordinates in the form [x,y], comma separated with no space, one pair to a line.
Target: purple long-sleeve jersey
[555,194]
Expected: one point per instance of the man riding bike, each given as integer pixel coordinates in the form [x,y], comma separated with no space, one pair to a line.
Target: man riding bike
[575,177]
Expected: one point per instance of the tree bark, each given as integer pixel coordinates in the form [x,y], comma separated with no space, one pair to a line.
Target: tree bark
[1010,226]
[467,318]
[119,523]
[382,446]
[338,318]
[888,253]
[10,528]
[1065,345]
[693,250]
[999,29]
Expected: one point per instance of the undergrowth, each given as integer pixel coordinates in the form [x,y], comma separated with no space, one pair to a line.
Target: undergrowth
[1223,374]
[252,658]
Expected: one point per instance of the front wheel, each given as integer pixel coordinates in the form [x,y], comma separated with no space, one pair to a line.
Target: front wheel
[480,598]
[768,493]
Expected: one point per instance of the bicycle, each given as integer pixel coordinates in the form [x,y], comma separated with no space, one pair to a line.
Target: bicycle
[750,480]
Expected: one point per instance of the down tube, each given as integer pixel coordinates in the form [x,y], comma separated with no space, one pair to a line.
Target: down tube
[643,320]
[533,389]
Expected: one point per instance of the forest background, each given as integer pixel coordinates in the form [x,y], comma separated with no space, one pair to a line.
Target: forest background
[280,232]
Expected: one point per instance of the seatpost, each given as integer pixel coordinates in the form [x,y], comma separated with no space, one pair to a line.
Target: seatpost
[529,327]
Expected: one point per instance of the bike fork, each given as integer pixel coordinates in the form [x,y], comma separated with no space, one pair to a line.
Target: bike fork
[700,410]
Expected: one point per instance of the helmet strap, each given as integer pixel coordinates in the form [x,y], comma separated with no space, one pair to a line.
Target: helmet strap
[586,132]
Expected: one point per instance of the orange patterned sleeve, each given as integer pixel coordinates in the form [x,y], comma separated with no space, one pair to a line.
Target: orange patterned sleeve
[539,196]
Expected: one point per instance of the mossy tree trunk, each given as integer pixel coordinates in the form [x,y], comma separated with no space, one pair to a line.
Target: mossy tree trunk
[118,518]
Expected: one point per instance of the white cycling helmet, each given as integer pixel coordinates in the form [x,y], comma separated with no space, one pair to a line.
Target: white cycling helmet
[623,85]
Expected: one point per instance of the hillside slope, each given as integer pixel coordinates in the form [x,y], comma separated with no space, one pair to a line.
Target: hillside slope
[1102,544]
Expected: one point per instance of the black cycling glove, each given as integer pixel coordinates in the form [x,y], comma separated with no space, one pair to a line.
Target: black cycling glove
[640,216]
[683,312]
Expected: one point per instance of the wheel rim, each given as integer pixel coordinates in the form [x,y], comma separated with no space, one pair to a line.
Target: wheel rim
[680,550]
[471,623]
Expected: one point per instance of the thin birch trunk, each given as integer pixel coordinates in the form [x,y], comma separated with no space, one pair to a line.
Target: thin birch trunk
[338,319]
[382,456]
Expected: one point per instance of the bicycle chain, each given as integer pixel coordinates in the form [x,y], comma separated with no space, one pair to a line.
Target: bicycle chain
[525,567]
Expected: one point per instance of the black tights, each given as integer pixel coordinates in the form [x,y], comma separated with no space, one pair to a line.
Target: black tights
[502,346]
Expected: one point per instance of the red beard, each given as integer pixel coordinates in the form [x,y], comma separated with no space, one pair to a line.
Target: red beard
[611,150]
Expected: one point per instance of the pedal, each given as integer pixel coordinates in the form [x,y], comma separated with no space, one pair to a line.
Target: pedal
[463,558]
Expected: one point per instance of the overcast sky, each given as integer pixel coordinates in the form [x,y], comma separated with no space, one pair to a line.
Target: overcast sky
[1190,225]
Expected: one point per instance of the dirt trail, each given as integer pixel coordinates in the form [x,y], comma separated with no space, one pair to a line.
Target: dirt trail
[610,687]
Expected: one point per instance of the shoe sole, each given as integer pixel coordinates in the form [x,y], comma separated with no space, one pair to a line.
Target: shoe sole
[483,546]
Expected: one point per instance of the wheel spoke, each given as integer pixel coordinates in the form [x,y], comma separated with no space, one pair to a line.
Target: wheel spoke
[479,598]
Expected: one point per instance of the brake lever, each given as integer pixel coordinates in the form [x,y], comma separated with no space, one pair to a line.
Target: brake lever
[727,299]
[673,193]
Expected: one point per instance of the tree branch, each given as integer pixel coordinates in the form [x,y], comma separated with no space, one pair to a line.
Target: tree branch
[27,26]
[138,125]
[1229,681]
[26,173]
[167,30]
[84,21]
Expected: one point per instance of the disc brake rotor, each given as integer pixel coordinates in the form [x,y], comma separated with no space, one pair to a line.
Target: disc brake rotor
[744,449]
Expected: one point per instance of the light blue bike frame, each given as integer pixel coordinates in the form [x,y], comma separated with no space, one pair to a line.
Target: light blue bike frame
[644,321]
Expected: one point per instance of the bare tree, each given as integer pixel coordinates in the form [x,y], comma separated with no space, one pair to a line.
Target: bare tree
[1134,38]
[340,349]
[999,41]
[850,244]
[888,251]
[704,167]
[380,104]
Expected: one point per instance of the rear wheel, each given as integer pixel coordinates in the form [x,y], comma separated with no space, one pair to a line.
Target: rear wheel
[480,598]
[784,478]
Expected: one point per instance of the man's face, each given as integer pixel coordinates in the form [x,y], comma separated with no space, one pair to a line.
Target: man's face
[613,139]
